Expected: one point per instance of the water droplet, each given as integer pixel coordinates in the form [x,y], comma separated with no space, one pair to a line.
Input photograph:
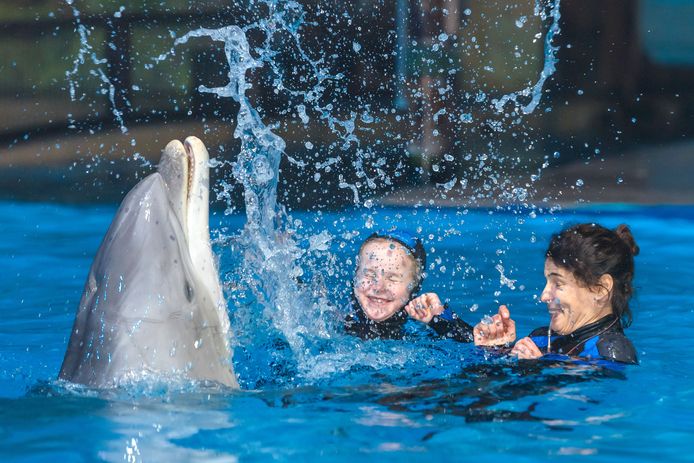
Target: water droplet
[520,22]
[356,46]
[579,183]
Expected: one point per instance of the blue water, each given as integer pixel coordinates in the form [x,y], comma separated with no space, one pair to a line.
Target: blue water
[420,400]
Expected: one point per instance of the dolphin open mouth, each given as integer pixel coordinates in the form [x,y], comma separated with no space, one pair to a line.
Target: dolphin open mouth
[190,157]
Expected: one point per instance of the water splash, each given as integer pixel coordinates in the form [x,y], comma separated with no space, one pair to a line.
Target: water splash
[535,92]
[87,53]
[258,164]
[270,240]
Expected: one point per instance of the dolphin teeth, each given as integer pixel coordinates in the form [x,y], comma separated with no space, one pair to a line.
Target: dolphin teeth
[191,167]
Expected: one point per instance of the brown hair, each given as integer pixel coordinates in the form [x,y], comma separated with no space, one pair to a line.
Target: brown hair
[590,251]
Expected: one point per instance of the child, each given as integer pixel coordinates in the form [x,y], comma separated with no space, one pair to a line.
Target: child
[390,270]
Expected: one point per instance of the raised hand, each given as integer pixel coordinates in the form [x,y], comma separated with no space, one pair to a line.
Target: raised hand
[501,329]
[424,307]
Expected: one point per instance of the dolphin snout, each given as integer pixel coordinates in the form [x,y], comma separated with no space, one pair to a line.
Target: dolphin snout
[194,146]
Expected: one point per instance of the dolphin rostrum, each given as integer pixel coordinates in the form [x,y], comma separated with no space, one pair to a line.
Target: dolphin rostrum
[153,303]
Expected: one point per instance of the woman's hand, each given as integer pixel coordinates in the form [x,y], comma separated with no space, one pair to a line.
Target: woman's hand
[501,330]
[526,349]
[424,307]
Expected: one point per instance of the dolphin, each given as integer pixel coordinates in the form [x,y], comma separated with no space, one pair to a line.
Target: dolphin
[153,302]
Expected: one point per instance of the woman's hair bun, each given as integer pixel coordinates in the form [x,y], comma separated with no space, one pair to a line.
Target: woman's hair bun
[624,233]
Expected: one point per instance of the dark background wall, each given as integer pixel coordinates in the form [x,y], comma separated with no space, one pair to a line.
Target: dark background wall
[622,82]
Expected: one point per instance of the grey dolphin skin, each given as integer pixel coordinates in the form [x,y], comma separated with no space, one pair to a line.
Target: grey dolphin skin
[153,302]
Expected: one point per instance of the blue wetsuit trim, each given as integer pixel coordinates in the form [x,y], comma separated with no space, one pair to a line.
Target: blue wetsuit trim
[602,341]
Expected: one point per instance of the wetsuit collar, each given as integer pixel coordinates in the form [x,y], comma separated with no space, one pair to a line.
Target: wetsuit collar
[569,343]
[358,323]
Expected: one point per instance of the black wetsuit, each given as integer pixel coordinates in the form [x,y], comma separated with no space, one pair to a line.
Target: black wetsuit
[601,340]
[446,325]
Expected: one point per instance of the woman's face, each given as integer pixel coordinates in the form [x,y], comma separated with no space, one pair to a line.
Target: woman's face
[384,279]
[571,304]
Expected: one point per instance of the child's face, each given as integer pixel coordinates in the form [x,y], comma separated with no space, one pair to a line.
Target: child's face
[384,279]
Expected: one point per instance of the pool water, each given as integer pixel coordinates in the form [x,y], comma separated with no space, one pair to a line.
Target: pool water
[310,392]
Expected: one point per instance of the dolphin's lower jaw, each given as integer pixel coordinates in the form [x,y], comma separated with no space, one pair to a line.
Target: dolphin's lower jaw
[147,307]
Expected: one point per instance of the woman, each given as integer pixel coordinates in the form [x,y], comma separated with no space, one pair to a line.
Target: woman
[589,271]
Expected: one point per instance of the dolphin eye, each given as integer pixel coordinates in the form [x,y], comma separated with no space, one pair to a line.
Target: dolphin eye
[190,294]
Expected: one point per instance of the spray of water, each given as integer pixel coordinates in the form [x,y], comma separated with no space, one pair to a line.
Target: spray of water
[87,53]
[269,241]
[534,92]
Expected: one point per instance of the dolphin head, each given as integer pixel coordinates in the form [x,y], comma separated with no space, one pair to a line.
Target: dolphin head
[184,167]
[153,300]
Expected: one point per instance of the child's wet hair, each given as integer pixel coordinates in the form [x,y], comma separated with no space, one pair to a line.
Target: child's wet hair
[590,251]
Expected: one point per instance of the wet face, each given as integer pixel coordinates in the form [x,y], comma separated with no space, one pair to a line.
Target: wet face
[384,279]
[570,303]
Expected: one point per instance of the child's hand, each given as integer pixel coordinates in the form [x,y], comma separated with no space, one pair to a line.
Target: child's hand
[424,307]
[501,330]
[526,349]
